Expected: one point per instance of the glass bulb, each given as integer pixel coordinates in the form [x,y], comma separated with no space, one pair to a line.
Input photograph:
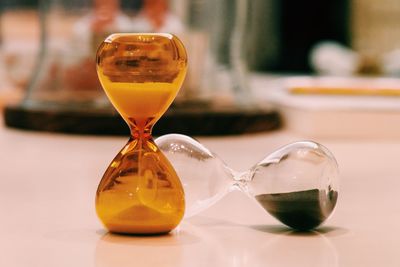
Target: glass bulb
[297,184]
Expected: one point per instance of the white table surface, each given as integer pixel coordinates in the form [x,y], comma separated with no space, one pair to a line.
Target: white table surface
[48,183]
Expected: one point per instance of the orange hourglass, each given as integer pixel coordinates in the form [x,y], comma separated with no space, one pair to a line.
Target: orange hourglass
[140,192]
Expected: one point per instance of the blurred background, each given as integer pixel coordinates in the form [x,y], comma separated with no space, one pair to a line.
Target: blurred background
[241,54]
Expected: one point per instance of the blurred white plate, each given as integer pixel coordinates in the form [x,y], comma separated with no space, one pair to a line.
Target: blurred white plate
[336,115]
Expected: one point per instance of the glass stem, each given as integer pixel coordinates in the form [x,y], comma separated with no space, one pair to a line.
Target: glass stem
[241,179]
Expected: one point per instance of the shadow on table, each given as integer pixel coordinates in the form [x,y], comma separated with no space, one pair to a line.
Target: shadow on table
[284,230]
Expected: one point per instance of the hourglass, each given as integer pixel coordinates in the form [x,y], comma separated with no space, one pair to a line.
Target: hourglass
[297,184]
[140,192]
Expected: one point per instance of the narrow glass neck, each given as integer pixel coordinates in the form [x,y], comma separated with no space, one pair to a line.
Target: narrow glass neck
[141,133]
[141,129]
[240,180]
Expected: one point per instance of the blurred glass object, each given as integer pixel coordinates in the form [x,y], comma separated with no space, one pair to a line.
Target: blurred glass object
[19,45]
[18,49]
[70,34]
[213,32]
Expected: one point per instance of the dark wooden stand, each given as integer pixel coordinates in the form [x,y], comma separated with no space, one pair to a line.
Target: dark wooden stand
[203,121]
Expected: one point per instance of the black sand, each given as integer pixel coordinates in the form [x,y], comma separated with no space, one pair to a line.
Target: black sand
[301,210]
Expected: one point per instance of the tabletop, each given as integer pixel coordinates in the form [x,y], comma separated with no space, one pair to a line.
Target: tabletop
[47,190]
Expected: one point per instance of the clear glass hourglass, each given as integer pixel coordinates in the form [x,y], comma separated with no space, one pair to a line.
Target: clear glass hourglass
[297,184]
[140,193]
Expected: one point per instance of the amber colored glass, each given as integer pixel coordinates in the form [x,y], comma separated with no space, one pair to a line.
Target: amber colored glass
[140,192]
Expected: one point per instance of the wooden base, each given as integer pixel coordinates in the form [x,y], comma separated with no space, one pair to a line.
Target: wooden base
[190,121]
